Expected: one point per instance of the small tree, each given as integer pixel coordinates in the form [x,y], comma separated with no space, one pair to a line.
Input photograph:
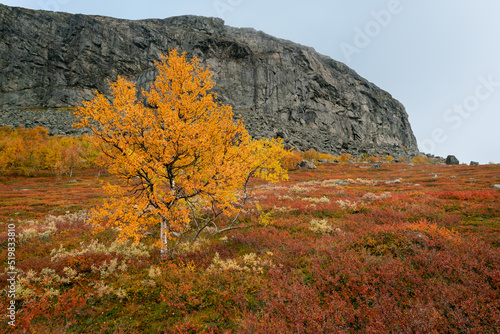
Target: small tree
[183,162]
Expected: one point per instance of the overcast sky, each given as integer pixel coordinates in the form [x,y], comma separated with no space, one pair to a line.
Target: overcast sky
[441,59]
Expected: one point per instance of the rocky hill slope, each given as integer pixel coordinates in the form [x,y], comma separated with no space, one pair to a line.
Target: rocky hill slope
[49,61]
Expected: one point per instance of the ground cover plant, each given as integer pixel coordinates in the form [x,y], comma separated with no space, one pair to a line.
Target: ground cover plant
[339,249]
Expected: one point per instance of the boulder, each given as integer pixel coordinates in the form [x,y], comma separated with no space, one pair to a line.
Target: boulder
[307,165]
[452,160]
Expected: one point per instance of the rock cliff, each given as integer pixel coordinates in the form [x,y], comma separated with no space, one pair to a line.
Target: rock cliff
[49,61]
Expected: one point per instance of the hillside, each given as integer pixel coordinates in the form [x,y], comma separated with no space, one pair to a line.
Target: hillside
[51,61]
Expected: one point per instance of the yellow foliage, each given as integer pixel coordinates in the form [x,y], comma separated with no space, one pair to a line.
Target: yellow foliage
[345,157]
[314,155]
[176,155]
[264,218]
[310,155]
[420,160]
[32,150]
[291,161]
[326,156]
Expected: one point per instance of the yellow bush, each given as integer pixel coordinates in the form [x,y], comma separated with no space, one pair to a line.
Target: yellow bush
[310,155]
[291,161]
[345,157]
[32,150]
[420,160]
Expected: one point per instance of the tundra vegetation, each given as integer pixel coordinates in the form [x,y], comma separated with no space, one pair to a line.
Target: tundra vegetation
[369,256]
[337,249]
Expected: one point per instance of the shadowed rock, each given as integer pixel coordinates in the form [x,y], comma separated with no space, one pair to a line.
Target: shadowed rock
[307,165]
[452,160]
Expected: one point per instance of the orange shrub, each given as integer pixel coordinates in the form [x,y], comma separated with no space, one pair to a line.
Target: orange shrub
[31,150]
[420,160]
[345,157]
[310,155]
[314,155]
[326,156]
[291,161]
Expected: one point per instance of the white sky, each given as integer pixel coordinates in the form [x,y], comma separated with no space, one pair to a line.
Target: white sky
[441,59]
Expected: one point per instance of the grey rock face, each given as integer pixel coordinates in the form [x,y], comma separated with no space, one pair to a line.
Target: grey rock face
[279,88]
[474,163]
[58,122]
[452,160]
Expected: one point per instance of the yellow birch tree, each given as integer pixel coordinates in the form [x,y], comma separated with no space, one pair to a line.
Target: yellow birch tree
[183,162]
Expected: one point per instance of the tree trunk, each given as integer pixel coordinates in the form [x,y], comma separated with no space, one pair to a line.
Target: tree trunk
[164,239]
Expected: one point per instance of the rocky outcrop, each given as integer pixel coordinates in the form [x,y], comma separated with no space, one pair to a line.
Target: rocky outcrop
[50,61]
[452,160]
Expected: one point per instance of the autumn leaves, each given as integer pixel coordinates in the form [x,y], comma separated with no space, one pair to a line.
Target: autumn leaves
[30,151]
[183,162]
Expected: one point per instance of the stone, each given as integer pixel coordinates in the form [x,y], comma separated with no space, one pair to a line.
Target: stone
[452,160]
[343,183]
[474,163]
[281,134]
[397,181]
[497,186]
[51,60]
[307,165]
[376,166]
